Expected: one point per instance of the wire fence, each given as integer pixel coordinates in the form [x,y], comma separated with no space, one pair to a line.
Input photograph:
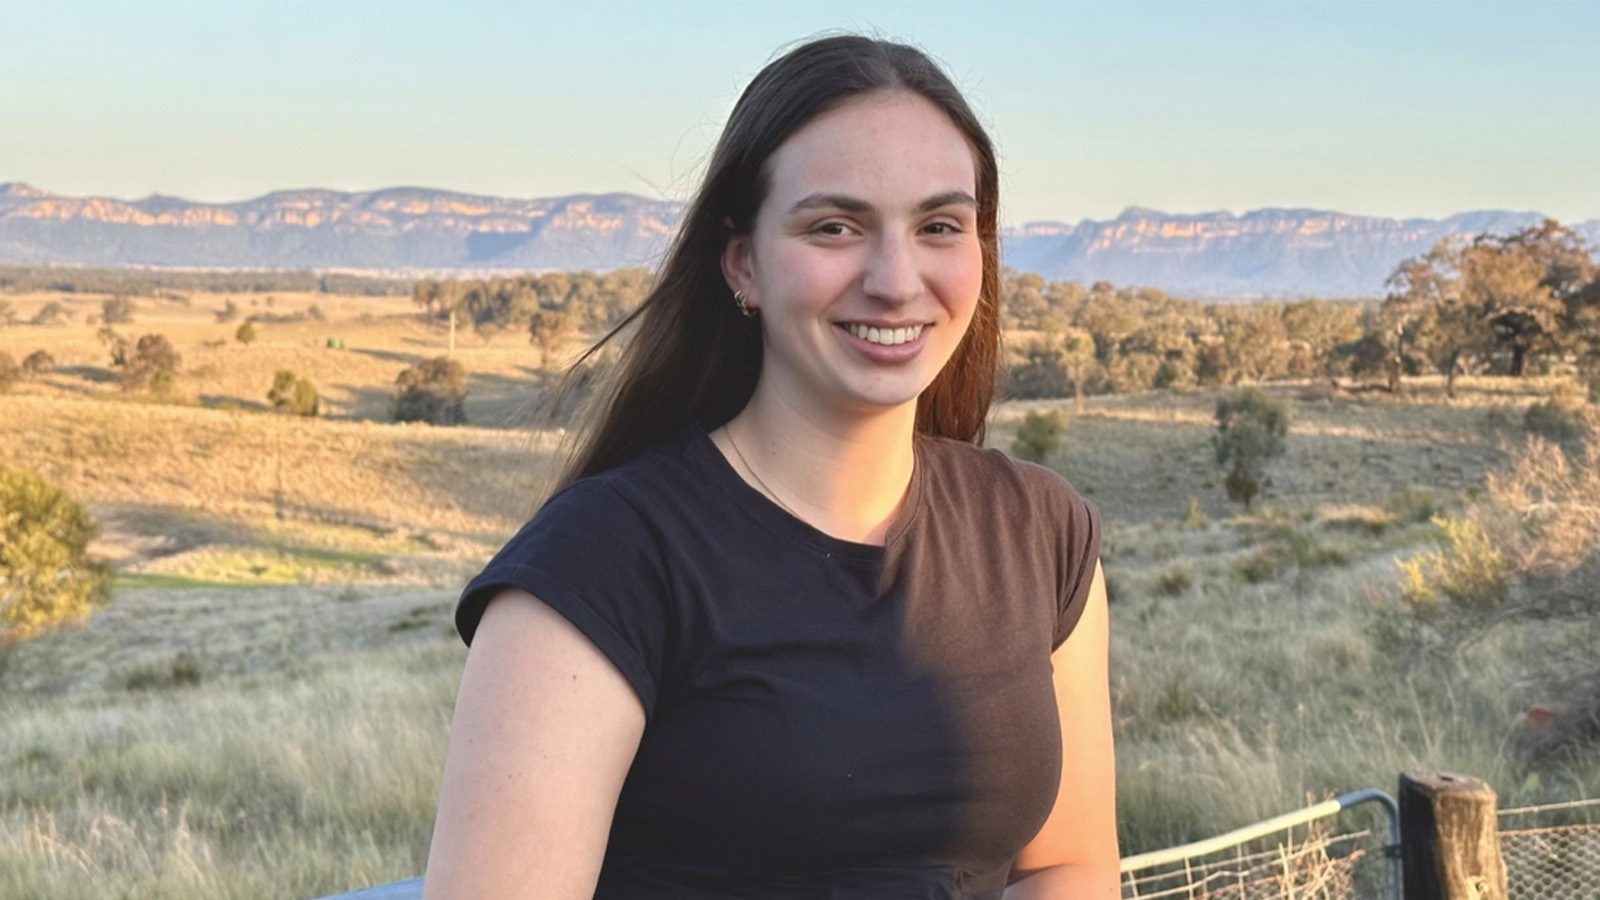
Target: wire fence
[1300,855]
[1552,852]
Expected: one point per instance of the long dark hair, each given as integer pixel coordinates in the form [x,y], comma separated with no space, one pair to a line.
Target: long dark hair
[691,355]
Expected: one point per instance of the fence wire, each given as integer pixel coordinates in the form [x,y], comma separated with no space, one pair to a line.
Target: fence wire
[1552,852]
[1300,863]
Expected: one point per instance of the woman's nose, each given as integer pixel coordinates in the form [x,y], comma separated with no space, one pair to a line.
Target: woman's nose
[891,271]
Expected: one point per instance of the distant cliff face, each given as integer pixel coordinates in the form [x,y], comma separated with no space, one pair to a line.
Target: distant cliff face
[1276,252]
[393,229]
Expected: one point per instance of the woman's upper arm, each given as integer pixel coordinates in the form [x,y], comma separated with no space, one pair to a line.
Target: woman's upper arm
[1081,829]
[544,732]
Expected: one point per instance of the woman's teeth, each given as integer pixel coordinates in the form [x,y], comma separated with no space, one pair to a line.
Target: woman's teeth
[888,337]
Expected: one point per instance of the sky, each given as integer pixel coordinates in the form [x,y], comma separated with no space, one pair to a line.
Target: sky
[1376,108]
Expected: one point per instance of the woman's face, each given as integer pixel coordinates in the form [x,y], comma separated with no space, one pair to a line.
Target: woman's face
[864,257]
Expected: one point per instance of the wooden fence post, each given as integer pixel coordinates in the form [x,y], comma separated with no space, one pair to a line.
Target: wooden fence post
[1450,840]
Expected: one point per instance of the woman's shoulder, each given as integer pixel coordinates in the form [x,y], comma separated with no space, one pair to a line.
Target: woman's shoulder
[991,471]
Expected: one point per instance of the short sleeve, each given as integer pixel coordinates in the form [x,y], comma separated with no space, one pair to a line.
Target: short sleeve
[1078,529]
[589,555]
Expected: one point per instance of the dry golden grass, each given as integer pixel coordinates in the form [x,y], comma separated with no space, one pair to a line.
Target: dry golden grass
[261,712]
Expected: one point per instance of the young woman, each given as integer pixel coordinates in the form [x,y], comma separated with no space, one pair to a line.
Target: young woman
[784,630]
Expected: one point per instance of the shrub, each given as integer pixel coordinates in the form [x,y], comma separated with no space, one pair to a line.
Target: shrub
[1038,436]
[38,363]
[246,334]
[10,372]
[432,391]
[153,363]
[52,313]
[1175,581]
[8,313]
[1194,516]
[116,311]
[1468,570]
[292,394]
[46,576]
[1252,426]
[228,312]
[1555,420]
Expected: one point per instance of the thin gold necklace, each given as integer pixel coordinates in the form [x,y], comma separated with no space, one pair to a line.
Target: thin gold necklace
[753,474]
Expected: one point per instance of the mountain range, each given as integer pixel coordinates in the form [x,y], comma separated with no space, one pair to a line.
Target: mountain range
[1220,255]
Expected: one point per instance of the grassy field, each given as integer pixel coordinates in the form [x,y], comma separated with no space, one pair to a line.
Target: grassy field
[262,711]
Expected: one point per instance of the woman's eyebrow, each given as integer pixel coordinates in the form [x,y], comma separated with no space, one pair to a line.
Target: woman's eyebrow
[857,205]
[948,198]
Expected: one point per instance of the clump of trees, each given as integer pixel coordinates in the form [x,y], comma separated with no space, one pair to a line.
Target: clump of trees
[293,395]
[156,283]
[1506,304]
[150,363]
[1500,303]
[46,575]
[1252,426]
[581,300]
[432,391]
[1039,436]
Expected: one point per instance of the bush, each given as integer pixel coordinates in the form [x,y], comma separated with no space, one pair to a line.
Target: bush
[38,363]
[153,363]
[1194,516]
[246,334]
[228,312]
[10,372]
[1252,426]
[46,576]
[1555,420]
[52,313]
[293,395]
[432,391]
[1039,436]
[1175,581]
[116,311]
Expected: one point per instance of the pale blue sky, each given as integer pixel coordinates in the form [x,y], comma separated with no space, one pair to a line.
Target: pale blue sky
[1380,108]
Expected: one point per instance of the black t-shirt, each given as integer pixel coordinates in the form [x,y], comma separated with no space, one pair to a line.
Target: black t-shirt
[825,719]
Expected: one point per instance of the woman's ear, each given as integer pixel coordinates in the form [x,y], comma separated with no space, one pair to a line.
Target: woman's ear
[737,268]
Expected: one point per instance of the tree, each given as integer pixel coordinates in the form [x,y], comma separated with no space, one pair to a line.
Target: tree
[1251,429]
[1428,320]
[117,310]
[245,334]
[37,363]
[52,313]
[46,575]
[153,362]
[293,395]
[1039,436]
[549,329]
[433,391]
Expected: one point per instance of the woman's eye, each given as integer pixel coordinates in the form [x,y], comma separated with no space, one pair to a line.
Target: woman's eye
[943,228]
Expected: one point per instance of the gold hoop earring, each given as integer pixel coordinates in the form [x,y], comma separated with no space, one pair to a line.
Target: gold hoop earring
[743,303]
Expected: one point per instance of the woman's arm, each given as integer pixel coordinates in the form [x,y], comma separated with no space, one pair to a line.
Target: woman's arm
[1074,855]
[544,732]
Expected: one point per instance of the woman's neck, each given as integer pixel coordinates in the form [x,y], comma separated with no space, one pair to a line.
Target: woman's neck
[844,477]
